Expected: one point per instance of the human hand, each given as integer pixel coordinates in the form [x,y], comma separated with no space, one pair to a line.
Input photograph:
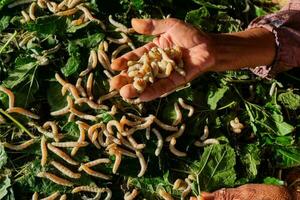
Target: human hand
[196,55]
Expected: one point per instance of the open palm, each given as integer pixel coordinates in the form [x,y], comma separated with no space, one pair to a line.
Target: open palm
[170,32]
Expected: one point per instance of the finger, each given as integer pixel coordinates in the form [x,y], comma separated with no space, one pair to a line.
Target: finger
[128,91]
[207,196]
[153,26]
[119,81]
[121,62]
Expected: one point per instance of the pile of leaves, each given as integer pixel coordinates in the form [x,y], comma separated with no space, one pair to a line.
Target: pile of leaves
[269,109]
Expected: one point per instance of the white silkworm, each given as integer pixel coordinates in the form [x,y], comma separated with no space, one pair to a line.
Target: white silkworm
[118,159]
[103,59]
[272,89]
[88,15]
[52,7]
[89,86]
[35,196]
[177,134]
[70,144]
[83,125]
[178,114]
[113,110]
[71,88]
[124,121]
[187,190]
[206,142]
[62,5]
[94,173]
[62,154]
[160,141]
[86,188]
[179,184]
[42,3]
[148,132]
[22,111]
[91,104]
[205,133]
[113,123]
[95,162]
[116,24]
[44,151]
[74,3]
[165,195]
[93,129]
[148,121]
[107,96]
[19,147]
[62,111]
[60,79]
[80,139]
[52,196]
[55,179]
[54,128]
[107,74]
[131,195]
[143,163]
[43,131]
[69,12]
[71,117]
[10,95]
[116,52]
[83,115]
[187,107]
[66,171]
[63,197]
[124,39]
[32,11]
[235,124]
[80,88]
[174,150]
[135,144]
[165,126]
[92,63]
[26,17]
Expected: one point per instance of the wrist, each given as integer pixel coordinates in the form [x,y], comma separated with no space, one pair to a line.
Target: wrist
[250,48]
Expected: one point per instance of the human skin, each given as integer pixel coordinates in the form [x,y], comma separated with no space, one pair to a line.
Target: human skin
[202,52]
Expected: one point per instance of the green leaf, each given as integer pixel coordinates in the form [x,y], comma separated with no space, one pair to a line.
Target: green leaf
[55,100]
[3,156]
[138,4]
[282,128]
[4,22]
[215,169]
[199,18]
[90,41]
[4,3]
[215,95]
[259,11]
[250,157]
[288,157]
[71,66]
[290,100]
[273,181]
[47,25]
[5,183]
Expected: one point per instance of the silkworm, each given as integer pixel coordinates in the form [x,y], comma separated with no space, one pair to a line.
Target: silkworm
[113,110]
[179,184]
[94,173]
[124,39]
[86,188]
[103,59]
[165,195]
[116,52]
[187,190]
[118,159]
[83,115]
[235,124]
[143,163]
[19,147]
[62,4]
[82,124]
[63,197]
[107,74]
[94,127]
[124,121]
[55,179]
[52,7]
[174,150]
[22,111]
[32,9]
[26,17]
[148,132]
[92,63]
[177,134]
[73,3]
[71,117]
[71,88]
[206,142]
[66,171]
[165,126]
[52,196]
[187,107]
[70,144]
[115,23]
[109,193]
[148,121]
[178,114]
[107,96]
[113,123]
[80,88]
[43,131]
[44,151]
[89,86]
[160,141]
[205,133]
[42,4]
[81,137]
[10,95]
[131,195]
[95,162]
[60,79]
[62,154]
[35,196]
[135,144]
[126,152]
[91,104]
[88,14]
[272,89]
[62,111]
[54,128]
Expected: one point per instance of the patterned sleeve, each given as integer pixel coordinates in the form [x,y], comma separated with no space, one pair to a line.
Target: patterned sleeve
[286,27]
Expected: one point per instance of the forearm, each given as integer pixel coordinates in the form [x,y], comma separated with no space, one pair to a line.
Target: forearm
[250,48]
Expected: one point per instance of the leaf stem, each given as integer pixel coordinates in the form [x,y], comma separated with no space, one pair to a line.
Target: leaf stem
[8,41]
[17,123]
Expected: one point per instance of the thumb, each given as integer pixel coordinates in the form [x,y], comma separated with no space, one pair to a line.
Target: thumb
[153,26]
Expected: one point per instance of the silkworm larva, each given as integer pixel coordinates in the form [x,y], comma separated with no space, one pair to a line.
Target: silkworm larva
[160,141]
[116,52]
[88,14]
[93,128]
[113,110]
[53,126]
[178,114]
[148,132]
[235,124]
[70,144]
[71,117]
[62,5]
[205,133]
[83,125]
[80,139]
[149,120]
[107,96]
[92,63]
[62,154]
[91,104]
[52,7]
[94,136]
[143,163]
[26,17]
[35,196]
[42,4]
[131,195]
[165,195]
[115,23]
[89,86]
[52,196]
[126,152]
[63,197]
[107,74]
[187,190]
[55,179]
[22,111]
[104,60]
[95,162]
[179,184]
[135,144]
[88,189]
[74,3]
[123,40]
[83,115]
[71,88]
[109,193]
[124,121]
[94,173]
[10,95]
[187,107]
[60,79]
[66,171]
[165,126]
[32,11]
[62,111]
[44,151]
[118,159]
[113,123]
[174,150]
[19,147]
[80,88]
[177,134]
[206,142]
